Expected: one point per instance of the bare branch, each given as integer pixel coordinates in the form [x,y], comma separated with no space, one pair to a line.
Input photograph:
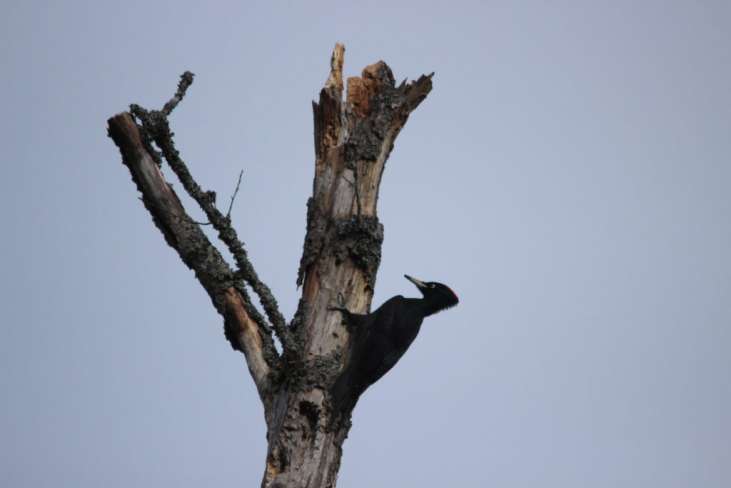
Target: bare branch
[244,325]
[156,124]
[186,79]
[226,232]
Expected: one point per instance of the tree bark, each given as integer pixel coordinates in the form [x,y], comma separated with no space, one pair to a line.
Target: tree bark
[342,250]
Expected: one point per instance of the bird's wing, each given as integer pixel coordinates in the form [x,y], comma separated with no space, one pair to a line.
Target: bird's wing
[388,312]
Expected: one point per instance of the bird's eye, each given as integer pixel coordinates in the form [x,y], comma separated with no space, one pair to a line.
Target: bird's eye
[432,285]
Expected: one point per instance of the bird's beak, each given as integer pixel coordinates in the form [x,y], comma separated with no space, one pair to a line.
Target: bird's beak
[419,284]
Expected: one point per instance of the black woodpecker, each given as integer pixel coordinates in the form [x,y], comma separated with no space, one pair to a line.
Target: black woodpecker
[379,339]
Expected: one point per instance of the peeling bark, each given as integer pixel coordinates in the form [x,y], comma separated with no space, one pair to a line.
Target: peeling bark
[354,137]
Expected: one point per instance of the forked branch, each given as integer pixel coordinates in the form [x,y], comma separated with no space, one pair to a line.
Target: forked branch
[156,124]
[245,328]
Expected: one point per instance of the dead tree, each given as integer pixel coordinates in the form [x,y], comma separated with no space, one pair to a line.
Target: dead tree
[342,251]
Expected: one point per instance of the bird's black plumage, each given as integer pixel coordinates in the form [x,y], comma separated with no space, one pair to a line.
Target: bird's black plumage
[379,339]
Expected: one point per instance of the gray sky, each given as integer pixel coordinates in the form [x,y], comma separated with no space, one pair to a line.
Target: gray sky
[568,177]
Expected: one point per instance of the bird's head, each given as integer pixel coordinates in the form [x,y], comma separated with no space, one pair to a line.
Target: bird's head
[437,296]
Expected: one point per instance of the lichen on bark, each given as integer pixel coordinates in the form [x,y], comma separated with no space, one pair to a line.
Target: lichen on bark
[359,238]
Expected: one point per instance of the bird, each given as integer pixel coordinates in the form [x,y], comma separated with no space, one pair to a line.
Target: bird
[379,339]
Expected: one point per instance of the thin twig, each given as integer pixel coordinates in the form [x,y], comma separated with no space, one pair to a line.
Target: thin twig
[233,197]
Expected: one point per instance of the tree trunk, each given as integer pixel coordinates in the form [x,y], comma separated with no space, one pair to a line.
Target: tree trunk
[306,427]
